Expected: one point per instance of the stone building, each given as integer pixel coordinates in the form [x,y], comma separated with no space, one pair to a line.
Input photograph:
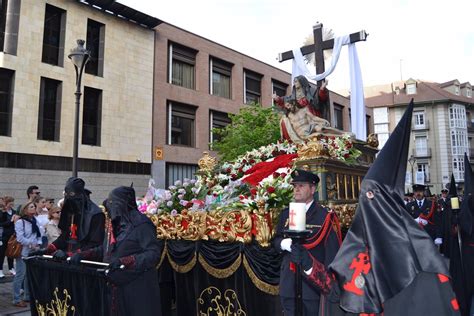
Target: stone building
[442,127]
[37,85]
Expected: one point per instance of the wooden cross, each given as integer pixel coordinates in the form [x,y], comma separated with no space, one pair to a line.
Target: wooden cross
[320,46]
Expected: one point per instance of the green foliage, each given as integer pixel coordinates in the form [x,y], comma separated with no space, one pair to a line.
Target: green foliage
[252,127]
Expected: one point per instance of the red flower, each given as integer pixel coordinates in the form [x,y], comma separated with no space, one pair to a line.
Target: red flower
[228,170]
[253,192]
[346,155]
[233,176]
[252,161]
[276,175]
[241,197]
[270,190]
[283,175]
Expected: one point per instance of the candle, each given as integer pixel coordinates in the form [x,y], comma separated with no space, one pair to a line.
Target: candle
[297,216]
[454,203]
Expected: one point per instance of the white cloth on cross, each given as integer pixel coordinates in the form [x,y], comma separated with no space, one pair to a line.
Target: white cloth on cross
[358,126]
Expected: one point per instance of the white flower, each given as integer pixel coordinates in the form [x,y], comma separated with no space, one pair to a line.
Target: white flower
[169,203]
[177,182]
[181,191]
[172,188]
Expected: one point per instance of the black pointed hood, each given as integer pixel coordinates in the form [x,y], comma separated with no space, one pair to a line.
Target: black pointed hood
[467,206]
[384,238]
[453,192]
[390,166]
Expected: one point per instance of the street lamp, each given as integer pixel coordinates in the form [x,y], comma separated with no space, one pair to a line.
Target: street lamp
[79,57]
[412,161]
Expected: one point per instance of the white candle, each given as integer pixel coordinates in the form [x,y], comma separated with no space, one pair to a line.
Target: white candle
[454,203]
[297,216]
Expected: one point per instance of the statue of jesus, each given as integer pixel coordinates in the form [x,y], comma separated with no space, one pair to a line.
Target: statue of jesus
[305,112]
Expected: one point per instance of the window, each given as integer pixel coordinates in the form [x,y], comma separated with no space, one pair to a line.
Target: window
[457,116]
[95,44]
[182,64]
[6,101]
[49,116]
[411,88]
[279,88]
[181,172]
[181,119]
[458,168]
[423,173]
[53,37]
[218,120]
[468,92]
[421,146]
[92,116]
[338,122]
[221,74]
[419,119]
[367,125]
[3,18]
[456,90]
[252,87]
[459,142]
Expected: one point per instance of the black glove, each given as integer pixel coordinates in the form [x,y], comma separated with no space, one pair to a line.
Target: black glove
[39,252]
[60,255]
[75,259]
[115,265]
[299,255]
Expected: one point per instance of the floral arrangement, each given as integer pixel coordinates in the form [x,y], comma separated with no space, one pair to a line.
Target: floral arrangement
[341,148]
[228,186]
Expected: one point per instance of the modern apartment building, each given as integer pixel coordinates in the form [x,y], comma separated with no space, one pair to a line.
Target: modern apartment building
[442,126]
[37,85]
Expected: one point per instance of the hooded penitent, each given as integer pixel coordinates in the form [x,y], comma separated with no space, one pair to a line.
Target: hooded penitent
[77,203]
[385,251]
[123,212]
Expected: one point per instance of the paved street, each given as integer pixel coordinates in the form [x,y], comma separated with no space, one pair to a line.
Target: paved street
[6,297]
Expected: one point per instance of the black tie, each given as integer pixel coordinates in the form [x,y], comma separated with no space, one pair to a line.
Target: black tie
[419,203]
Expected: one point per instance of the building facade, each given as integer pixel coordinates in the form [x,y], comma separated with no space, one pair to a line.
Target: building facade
[442,127]
[37,104]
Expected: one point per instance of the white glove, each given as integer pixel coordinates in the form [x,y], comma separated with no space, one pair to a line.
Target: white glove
[438,241]
[286,244]
[421,221]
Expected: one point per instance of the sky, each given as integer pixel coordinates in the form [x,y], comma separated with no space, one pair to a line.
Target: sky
[420,39]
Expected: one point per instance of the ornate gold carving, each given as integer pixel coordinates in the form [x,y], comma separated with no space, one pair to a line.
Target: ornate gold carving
[312,149]
[262,286]
[207,162]
[163,256]
[220,273]
[211,302]
[57,307]
[345,213]
[373,140]
[225,226]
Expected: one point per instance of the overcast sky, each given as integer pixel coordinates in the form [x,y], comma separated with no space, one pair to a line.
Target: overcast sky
[430,40]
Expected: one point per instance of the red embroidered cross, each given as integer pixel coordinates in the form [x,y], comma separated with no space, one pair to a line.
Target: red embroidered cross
[292,213]
[361,264]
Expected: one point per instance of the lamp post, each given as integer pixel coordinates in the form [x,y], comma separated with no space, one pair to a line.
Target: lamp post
[79,57]
[412,161]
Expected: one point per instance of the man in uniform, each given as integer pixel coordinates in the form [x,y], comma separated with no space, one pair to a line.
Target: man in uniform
[323,243]
[424,212]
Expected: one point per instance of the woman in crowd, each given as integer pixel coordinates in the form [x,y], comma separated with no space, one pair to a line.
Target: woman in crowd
[52,229]
[6,222]
[29,236]
[42,218]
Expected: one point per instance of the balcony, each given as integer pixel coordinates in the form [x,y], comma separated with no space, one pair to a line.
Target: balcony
[471,152]
[420,153]
[421,127]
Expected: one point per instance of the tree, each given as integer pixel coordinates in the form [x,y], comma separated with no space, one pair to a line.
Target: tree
[254,126]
